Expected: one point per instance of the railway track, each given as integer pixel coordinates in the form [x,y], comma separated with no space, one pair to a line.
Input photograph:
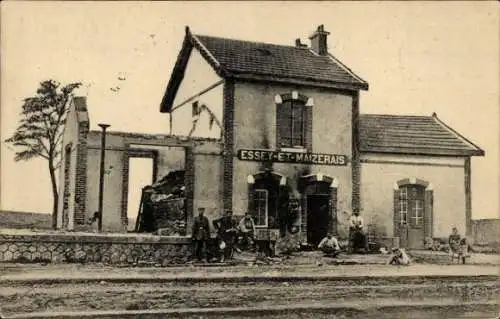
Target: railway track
[400,310]
[254,297]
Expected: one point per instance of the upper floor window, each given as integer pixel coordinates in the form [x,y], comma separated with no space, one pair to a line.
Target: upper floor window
[291,123]
[294,121]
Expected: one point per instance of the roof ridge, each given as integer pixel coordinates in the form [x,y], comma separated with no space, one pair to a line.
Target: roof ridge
[346,68]
[396,115]
[253,42]
[204,48]
[458,135]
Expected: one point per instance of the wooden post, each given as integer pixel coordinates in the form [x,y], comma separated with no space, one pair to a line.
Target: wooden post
[101,172]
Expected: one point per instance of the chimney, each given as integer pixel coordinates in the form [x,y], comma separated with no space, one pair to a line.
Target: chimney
[299,44]
[318,40]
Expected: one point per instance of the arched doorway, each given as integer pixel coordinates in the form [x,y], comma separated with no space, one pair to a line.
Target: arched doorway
[319,204]
[268,199]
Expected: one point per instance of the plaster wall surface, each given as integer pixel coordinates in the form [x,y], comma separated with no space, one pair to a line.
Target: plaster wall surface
[255,128]
[380,172]
[198,76]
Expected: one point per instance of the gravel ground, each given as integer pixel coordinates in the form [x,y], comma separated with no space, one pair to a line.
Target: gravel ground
[107,296]
[97,271]
[392,284]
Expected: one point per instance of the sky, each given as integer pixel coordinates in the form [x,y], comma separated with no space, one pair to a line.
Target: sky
[418,57]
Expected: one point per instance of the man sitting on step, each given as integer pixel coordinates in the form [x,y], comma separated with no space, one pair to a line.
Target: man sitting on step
[329,246]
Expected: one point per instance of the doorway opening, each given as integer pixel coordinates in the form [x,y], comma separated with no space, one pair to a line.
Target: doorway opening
[318,217]
[412,212]
[319,207]
[140,175]
[264,201]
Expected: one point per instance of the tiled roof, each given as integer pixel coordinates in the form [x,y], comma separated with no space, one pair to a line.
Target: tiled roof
[426,135]
[286,63]
[257,61]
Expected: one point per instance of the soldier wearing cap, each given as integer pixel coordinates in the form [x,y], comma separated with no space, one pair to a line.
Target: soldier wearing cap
[200,234]
[226,232]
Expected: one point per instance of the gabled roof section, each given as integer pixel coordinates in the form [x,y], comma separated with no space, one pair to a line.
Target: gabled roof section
[416,135]
[257,61]
[289,63]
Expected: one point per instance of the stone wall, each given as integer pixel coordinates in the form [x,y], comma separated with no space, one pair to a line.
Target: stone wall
[486,231]
[98,248]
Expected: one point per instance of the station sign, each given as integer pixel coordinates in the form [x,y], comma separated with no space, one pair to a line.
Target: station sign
[292,157]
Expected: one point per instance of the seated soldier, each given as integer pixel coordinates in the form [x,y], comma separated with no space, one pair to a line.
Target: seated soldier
[399,257]
[246,228]
[329,246]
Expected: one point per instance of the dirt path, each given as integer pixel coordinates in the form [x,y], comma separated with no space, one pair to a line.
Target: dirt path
[112,296]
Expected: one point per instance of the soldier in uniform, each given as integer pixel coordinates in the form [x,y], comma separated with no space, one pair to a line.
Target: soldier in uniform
[200,234]
[226,232]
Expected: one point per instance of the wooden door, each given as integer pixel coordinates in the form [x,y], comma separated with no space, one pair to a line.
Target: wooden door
[416,217]
[410,216]
[318,217]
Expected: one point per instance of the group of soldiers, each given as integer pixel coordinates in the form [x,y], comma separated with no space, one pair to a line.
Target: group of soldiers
[228,231]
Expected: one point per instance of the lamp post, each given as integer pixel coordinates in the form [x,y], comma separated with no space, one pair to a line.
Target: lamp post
[101,172]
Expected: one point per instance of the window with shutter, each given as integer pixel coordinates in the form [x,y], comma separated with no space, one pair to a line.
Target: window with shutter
[291,120]
[403,206]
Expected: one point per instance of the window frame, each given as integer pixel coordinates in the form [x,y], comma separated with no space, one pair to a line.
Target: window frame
[293,101]
[255,213]
[403,199]
[418,213]
[412,205]
[290,120]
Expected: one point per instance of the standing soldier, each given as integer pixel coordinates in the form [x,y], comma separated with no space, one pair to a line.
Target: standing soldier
[200,234]
[357,235]
[226,232]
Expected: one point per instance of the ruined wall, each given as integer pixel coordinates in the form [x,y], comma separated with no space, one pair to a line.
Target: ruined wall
[198,76]
[170,158]
[75,128]
[207,177]
[70,138]
[113,187]
[446,174]
[255,128]
[205,171]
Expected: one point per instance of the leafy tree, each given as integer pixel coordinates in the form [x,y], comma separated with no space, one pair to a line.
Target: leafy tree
[40,129]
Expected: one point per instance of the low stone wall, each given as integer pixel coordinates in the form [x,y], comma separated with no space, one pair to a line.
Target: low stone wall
[486,231]
[99,248]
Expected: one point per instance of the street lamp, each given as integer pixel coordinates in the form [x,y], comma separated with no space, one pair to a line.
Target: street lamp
[101,172]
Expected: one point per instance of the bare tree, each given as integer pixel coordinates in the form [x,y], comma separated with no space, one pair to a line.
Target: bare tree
[40,129]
